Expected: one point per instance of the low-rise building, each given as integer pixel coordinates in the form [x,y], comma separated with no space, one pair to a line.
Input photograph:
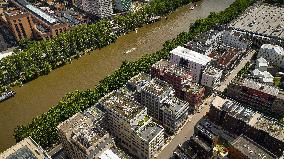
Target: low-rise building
[211,77]
[26,148]
[191,60]
[235,39]
[255,94]
[274,54]
[129,123]
[244,147]
[99,8]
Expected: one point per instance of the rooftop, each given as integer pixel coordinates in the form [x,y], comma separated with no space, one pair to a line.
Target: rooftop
[251,149]
[191,55]
[175,105]
[191,87]
[122,102]
[271,126]
[261,87]
[235,109]
[212,71]
[140,79]
[262,19]
[166,66]
[279,50]
[36,11]
[25,149]
[157,87]
[150,131]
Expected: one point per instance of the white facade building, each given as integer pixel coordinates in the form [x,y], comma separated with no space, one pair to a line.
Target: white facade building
[234,39]
[100,8]
[273,54]
[192,60]
[261,64]
[211,77]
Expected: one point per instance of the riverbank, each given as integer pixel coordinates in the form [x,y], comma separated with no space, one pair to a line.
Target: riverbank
[39,95]
[43,128]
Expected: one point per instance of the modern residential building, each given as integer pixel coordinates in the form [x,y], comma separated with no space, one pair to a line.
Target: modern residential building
[180,79]
[153,95]
[255,94]
[99,8]
[191,60]
[123,5]
[244,147]
[274,54]
[26,148]
[174,114]
[235,39]
[129,123]
[238,120]
[83,136]
[28,21]
[211,77]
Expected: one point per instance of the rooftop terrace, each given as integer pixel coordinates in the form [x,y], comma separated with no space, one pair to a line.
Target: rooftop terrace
[175,105]
[122,102]
[157,87]
[263,19]
[150,131]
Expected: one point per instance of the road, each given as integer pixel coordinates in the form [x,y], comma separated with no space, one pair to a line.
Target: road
[188,129]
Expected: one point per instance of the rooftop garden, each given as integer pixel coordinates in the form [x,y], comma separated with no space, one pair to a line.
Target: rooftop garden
[144,120]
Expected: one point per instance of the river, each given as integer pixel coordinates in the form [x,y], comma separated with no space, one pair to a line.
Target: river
[37,96]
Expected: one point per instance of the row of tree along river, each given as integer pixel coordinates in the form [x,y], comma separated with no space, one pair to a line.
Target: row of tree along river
[37,96]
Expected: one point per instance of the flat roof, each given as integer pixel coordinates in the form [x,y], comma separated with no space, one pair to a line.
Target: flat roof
[25,149]
[157,87]
[279,50]
[140,79]
[150,131]
[270,126]
[175,105]
[235,109]
[191,55]
[251,149]
[260,87]
[123,103]
[108,154]
[173,69]
[262,18]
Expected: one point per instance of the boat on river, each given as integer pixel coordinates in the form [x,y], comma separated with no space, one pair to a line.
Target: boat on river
[7,95]
[129,51]
[191,8]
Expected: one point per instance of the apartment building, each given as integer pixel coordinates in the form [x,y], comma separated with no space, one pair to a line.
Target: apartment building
[174,114]
[29,21]
[19,22]
[274,54]
[99,8]
[244,147]
[255,94]
[129,123]
[153,95]
[211,77]
[238,120]
[26,148]
[191,60]
[83,136]
[181,80]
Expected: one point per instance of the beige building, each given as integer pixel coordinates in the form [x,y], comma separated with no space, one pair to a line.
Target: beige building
[129,123]
[26,148]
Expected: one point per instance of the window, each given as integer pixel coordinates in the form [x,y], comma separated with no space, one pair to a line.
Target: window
[23,30]
[18,31]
